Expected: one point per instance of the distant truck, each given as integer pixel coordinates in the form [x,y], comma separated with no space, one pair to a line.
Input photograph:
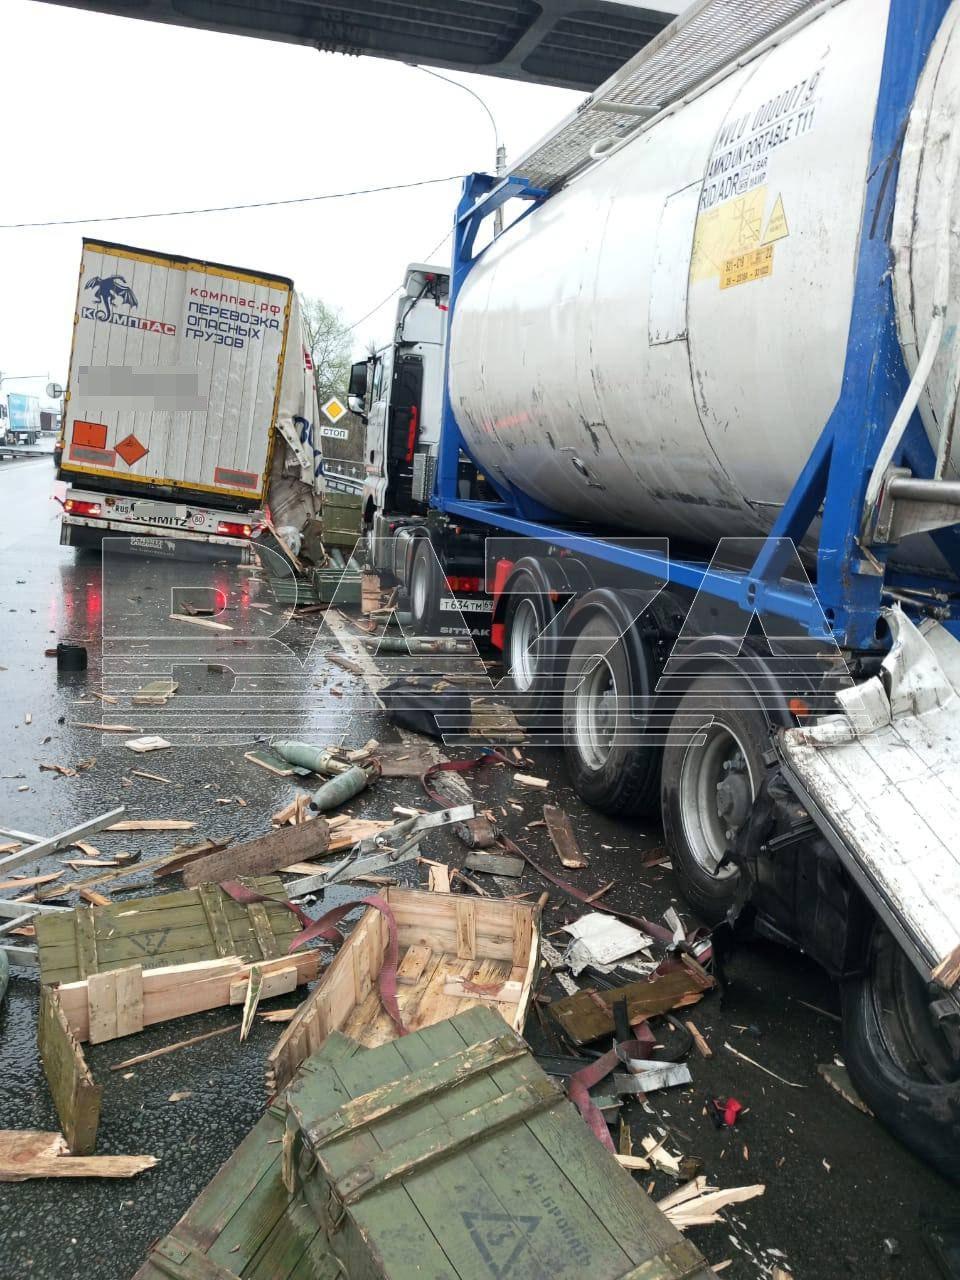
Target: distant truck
[21,425]
[190,403]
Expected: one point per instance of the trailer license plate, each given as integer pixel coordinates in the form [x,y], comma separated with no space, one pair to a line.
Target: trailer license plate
[449,604]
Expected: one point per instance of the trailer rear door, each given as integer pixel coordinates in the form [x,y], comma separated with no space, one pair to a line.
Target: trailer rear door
[174,374]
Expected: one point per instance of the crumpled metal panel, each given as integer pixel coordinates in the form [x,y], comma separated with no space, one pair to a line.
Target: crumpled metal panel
[706,38]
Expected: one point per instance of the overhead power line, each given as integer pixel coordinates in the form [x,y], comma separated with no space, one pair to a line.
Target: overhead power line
[230,208]
[393,292]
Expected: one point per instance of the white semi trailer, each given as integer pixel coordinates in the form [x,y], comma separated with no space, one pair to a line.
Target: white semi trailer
[722,328]
[190,405]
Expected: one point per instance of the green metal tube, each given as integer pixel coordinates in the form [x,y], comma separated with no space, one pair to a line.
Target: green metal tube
[317,759]
[340,789]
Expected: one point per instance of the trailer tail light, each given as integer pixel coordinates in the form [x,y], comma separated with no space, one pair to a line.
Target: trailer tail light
[76,507]
[799,707]
[231,530]
[460,583]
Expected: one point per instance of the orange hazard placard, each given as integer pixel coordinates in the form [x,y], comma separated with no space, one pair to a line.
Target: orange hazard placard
[92,435]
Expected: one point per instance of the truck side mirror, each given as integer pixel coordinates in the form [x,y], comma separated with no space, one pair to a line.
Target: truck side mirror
[357,390]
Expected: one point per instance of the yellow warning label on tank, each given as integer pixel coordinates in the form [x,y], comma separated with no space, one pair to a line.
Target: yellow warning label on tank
[777,227]
[726,232]
[747,267]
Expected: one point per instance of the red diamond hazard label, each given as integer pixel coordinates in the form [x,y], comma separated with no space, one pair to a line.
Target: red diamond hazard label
[131,450]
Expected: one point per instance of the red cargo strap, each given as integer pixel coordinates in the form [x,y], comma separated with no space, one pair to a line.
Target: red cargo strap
[578,1090]
[658,931]
[325,927]
[461,766]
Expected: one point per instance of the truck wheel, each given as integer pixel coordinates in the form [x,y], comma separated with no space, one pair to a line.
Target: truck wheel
[708,786]
[530,658]
[898,1056]
[607,670]
[424,589]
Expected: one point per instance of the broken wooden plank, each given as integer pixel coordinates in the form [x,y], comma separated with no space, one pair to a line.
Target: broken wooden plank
[93,1006]
[588,1015]
[562,836]
[254,991]
[29,1153]
[153,824]
[185,853]
[27,882]
[527,780]
[172,1048]
[75,1094]
[411,967]
[114,1004]
[106,728]
[95,899]
[439,874]
[279,848]
[703,1048]
[200,622]
[279,982]
[947,972]
[39,847]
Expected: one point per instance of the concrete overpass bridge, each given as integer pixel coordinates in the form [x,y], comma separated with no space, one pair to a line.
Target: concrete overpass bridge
[573,44]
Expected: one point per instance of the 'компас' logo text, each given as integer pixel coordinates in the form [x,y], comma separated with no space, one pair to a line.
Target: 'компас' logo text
[113,291]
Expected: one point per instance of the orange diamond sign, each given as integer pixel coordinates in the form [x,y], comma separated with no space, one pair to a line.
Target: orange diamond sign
[131,450]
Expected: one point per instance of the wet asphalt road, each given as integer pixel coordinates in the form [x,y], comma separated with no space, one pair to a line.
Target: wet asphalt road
[836,1185]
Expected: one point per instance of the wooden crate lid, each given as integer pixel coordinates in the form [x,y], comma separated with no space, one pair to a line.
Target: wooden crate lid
[448,1153]
[169,928]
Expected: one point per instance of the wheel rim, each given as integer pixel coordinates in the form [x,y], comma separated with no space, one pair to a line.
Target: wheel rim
[595,713]
[524,646]
[419,592]
[902,1009]
[717,790]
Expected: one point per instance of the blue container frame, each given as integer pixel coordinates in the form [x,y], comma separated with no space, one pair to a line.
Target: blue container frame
[846,602]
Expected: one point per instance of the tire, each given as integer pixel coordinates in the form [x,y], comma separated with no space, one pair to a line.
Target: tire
[898,1058]
[606,668]
[698,818]
[530,660]
[424,588]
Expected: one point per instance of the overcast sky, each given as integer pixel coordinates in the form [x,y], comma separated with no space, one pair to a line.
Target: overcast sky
[110,116]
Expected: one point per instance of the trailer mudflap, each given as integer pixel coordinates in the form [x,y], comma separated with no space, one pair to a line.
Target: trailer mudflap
[882,781]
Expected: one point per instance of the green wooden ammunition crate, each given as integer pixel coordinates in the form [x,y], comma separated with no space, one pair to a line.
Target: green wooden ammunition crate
[341,519]
[168,928]
[444,1155]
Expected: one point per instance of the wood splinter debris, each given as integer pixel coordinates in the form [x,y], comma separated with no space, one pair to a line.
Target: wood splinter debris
[702,1047]
[29,1153]
[563,838]
[172,1048]
[766,1070]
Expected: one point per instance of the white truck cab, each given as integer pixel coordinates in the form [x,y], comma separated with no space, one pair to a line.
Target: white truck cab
[399,391]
